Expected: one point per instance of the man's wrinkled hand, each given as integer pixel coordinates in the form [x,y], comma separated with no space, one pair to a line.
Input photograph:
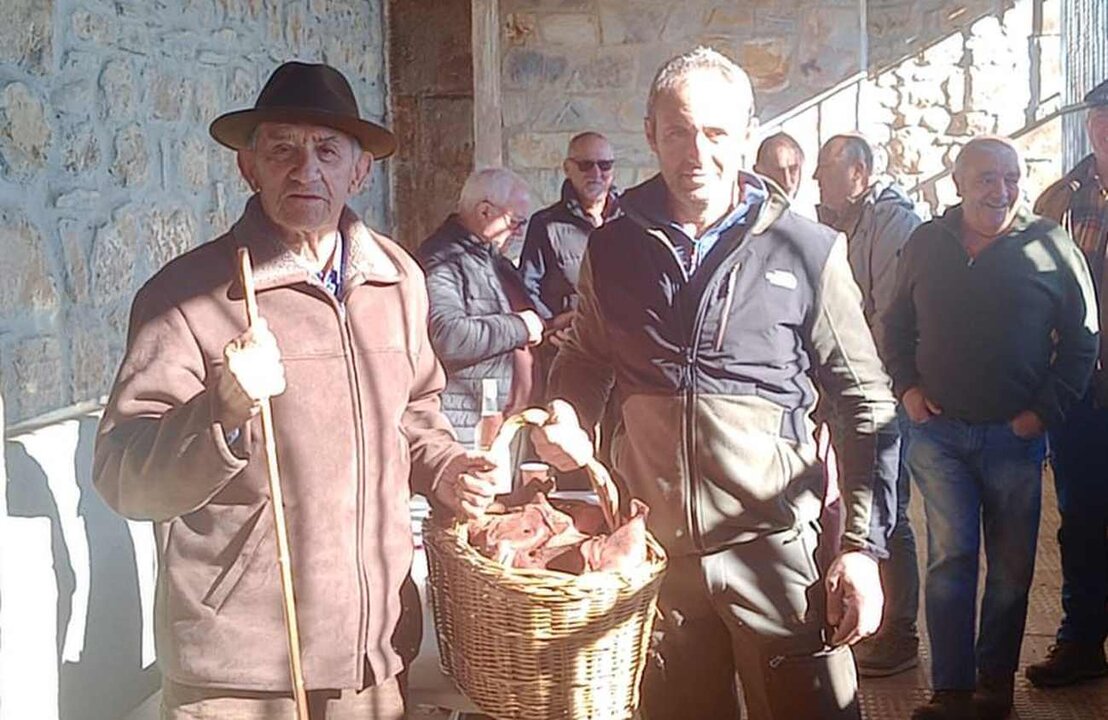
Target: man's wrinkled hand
[560,441]
[920,409]
[854,597]
[468,484]
[1027,425]
[252,372]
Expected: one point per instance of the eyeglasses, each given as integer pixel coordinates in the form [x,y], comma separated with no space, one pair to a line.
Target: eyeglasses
[515,222]
[586,165]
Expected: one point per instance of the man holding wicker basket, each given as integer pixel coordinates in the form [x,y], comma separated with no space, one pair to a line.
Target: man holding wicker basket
[712,308]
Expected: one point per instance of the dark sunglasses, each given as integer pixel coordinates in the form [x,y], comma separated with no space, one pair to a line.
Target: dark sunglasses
[586,165]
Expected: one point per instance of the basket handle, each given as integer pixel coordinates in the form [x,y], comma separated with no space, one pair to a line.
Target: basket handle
[599,477]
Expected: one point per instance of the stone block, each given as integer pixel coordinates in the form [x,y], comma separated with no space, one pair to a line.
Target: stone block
[526,69]
[93,27]
[24,131]
[93,360]
[537,150]
[76,98]
[730,19]
[26,35]
[205,100]
[73,235]
[575,29]
[827,51]
[115,254]
[632,22]
[607,71]
[631,150]
[242,88]
[192,163]
[28,286]
[117,86]
[631,113]
[519,109]
[685,23]
[768,62]
[169,93]
[80,150]
[132,157]
[38,376]
[169,233]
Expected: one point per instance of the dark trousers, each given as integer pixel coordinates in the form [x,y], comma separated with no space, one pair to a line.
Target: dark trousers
[756,609]
[900,573]
[1079,456]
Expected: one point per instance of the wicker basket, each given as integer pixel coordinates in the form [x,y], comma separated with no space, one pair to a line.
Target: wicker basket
[540,644]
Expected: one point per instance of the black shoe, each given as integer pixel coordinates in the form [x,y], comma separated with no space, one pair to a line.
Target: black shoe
[993,698]
[947,705]
[1068,663]
[886,654]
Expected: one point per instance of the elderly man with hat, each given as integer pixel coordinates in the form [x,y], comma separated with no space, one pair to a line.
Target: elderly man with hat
[343,354]
[1079,455]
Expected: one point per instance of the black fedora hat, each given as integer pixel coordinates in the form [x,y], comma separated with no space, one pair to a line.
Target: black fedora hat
[312,94]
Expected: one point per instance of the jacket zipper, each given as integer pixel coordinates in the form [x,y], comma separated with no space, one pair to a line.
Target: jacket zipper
[692,356]
[363,581]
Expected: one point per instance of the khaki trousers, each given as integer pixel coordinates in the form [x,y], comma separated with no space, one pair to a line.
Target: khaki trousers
[378,702]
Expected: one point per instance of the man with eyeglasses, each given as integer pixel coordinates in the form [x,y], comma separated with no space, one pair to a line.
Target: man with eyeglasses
[556,236]
[482,322]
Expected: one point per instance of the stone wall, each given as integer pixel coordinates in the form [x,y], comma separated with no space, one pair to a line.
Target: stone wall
[106,167]
[571,65]
[936,73]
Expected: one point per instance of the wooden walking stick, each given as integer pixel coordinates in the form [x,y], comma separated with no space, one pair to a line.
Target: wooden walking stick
[246,274]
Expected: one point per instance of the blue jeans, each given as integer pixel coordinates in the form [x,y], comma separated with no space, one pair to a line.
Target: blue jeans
[976,477]
[900,573]
[1079,456]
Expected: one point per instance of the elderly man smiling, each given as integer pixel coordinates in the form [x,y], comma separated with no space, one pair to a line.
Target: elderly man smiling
[355,393]
[990,339]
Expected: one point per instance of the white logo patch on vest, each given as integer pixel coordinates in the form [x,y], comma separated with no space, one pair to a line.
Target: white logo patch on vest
[782,278]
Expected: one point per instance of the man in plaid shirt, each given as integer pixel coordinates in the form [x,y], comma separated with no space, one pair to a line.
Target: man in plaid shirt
[1079,453]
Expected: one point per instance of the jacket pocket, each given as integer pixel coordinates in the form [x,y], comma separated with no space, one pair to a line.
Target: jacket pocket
[254,531]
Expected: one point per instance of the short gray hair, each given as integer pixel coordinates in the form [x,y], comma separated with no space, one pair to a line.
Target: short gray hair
[493,184]
[984,142]
[673,73]
[857,148]
[774,141]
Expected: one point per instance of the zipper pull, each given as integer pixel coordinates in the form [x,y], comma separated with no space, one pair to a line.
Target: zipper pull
[732,278]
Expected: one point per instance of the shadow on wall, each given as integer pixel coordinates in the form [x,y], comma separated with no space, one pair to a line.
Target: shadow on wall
[76,591]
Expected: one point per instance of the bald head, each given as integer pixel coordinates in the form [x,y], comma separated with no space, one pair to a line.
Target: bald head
[781,160]
[987,174]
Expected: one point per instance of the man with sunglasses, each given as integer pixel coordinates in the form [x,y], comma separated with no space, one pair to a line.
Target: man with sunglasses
[482,322]
[556,236]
